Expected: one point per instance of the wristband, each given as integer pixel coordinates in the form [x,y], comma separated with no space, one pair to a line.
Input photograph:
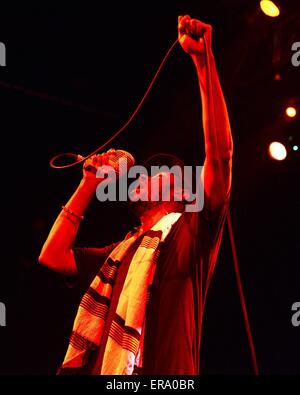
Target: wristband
[67,210]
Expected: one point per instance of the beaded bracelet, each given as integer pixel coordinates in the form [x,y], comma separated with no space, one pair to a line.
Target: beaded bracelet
[67,210]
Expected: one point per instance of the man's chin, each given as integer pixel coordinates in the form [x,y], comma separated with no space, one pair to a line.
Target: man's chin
[140,208]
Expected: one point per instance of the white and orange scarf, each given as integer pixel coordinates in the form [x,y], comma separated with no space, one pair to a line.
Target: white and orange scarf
[124,348]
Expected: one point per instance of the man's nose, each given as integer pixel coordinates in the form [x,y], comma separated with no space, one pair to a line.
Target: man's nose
[143,178]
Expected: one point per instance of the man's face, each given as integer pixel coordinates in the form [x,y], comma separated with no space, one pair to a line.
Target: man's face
[152,192]
[153,188]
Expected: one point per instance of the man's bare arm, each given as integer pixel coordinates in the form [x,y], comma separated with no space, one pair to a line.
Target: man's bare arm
[217,132]
[57,252]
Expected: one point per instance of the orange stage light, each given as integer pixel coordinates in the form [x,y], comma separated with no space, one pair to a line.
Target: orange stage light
[277,151]
[291,112]
[269,8]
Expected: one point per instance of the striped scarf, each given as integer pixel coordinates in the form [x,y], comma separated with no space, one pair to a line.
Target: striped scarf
[124,347]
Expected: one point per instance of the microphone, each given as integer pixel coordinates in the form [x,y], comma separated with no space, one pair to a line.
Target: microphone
[120,160]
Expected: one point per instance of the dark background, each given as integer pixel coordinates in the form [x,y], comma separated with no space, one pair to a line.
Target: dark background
[74,74]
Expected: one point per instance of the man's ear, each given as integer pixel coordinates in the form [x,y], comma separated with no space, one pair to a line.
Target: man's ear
[186,194]
[182,194]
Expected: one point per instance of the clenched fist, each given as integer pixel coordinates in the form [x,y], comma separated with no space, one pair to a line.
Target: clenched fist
[91,165]
[190,35]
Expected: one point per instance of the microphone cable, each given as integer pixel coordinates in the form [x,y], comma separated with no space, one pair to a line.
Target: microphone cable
[119,131]
[229,223]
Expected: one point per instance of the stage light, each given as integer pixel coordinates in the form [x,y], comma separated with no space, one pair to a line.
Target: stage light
[277,151]
[291,112]
[277,77]
[295,147]
[269,8]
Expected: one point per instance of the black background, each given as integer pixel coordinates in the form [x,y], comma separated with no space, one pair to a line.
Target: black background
[74,74]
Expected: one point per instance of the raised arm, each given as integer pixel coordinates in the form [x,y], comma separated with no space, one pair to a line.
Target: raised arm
[216,125]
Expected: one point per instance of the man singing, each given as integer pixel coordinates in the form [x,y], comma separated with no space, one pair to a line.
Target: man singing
[142,312]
